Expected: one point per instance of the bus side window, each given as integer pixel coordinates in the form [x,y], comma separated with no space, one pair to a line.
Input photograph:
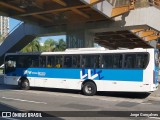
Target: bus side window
[107,61]
[117,61]
[89,61]
[34,61]
[83,62]
[76,61]
[67,61]
[51,61]
[86,61]
[42,60]
[58,62]
[96,61]
[21,62]
[129,61]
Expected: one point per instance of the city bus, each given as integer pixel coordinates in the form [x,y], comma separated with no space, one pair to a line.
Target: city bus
[86,69]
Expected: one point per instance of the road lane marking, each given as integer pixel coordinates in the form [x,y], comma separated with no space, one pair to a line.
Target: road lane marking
[107,98]
[146,103]
[23,100]
[155,118]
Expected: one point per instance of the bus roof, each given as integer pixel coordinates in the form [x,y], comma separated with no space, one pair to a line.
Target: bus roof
[83,51]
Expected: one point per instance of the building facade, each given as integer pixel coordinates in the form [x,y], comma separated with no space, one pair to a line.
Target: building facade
[4,26]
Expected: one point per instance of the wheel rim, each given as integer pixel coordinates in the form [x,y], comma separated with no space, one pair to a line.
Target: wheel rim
[88,89]
[25,84]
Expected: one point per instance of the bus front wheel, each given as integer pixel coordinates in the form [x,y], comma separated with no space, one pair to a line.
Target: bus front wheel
[89,89]
[24,84]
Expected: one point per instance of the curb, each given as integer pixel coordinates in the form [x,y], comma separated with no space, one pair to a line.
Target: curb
[151,98]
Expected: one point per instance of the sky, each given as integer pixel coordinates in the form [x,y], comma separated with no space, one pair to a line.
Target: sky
[14,22]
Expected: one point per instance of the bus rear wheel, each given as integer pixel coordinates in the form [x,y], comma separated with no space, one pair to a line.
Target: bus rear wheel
[24,84]
[89,89]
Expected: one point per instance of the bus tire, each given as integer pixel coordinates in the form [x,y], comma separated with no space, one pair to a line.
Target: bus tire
[89,89]
[24,84]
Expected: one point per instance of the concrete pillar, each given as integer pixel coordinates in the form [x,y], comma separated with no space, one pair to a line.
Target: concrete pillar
[89,39]
[153,43]
[78,37]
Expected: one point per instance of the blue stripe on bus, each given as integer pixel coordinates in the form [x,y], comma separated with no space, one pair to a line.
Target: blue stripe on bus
[97,74]
[124,75]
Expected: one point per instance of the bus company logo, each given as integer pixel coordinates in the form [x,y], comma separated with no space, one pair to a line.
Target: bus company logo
[91,74]
[27,72]
[41,74]
[6,114]
[34,73]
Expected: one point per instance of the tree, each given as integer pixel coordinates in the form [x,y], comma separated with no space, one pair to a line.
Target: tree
[49,45]
[33,46]
[61,45]
[1,38]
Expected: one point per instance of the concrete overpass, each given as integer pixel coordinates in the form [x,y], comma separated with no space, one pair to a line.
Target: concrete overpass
[110,23]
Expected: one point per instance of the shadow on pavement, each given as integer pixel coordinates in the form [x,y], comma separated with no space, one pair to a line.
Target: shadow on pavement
[5,107]
[111,94]
[136,95]
[8,87]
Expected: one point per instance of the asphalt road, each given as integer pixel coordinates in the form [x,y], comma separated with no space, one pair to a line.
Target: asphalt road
[54,103]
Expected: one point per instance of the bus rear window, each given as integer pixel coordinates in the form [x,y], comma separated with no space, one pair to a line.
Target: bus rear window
[141,60]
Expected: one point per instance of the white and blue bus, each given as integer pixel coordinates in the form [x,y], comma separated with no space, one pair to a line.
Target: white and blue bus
[86,69]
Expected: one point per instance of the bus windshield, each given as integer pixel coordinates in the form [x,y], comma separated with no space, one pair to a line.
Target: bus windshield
[10,64]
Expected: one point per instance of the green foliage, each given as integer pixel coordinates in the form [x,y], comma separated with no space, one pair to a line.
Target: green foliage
[49,46]
[33,46]
[61,45]
[1,38]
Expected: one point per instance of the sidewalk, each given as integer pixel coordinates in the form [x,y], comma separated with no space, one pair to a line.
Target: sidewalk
[155,95]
